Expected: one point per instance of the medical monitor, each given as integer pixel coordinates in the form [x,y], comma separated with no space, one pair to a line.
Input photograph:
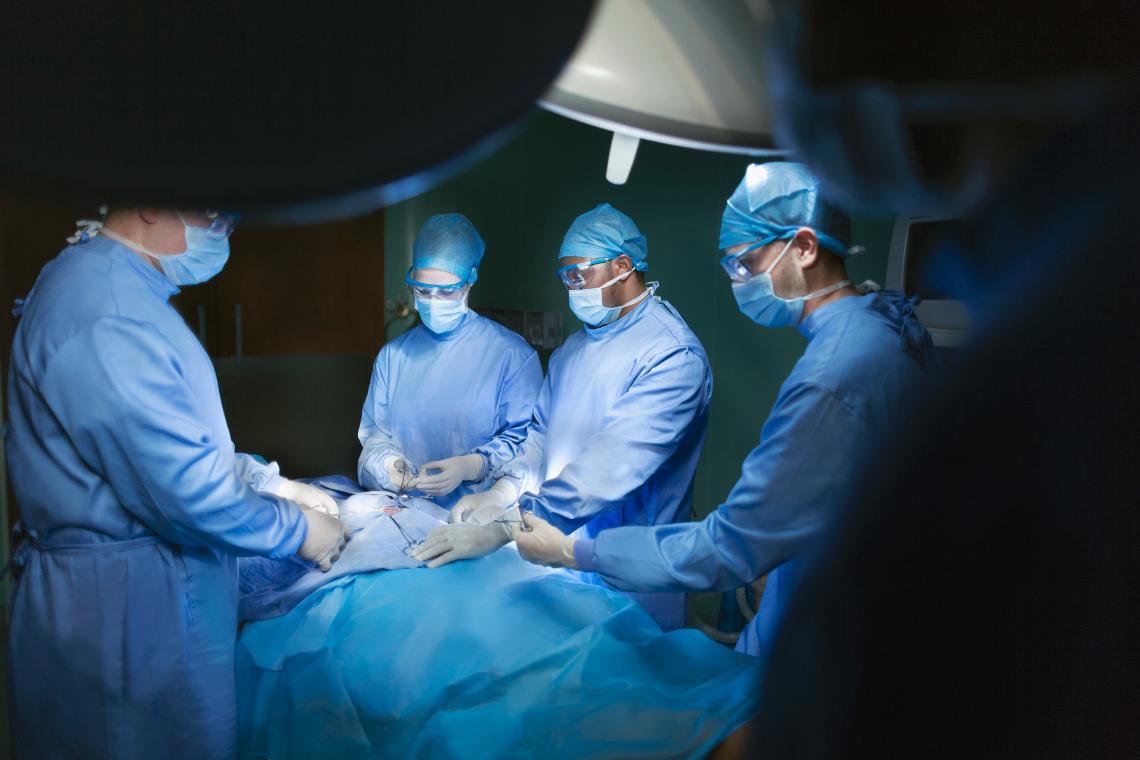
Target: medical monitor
[913,243]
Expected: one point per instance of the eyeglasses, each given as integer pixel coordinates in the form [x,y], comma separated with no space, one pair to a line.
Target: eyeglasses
[222,223]
[739,266]
[216,224]
[573,276]
[427,290]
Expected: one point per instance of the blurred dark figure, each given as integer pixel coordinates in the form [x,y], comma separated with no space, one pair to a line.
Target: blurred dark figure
[982,597]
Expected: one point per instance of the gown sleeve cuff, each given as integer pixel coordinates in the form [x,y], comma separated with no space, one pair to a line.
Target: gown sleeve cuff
[273,485]
[584,555]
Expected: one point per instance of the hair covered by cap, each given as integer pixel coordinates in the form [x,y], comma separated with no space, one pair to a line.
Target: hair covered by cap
[451,243]
[776,199]
[605,232]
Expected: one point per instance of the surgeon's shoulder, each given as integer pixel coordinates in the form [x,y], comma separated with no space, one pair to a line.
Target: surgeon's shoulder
[859,349]
[673,333]
[111,341]
[72,292]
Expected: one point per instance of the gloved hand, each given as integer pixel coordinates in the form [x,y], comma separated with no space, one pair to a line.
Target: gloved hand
[307,496]
[324,539]
[480,508]
[448,543]
[544,544]
[441,477]
[400,472]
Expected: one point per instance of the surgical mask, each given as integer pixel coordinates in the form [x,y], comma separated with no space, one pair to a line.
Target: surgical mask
[204,257]
[587,303]
[758,301]
[441,315]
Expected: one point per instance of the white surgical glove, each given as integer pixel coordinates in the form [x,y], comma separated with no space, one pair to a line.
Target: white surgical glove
[448,543]
[449,473]
[324,539]
[307,496]
[480,508]
[544,544]
[399,471]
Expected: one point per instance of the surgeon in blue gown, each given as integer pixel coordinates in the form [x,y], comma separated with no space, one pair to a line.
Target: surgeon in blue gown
[134,502]
[622,416]
[450,400]
[867,358]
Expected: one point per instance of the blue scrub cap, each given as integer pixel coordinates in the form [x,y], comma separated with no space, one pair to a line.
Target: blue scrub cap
[776,199]
[605,232]
[451,243]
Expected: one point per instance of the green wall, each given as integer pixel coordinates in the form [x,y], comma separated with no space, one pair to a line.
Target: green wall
[523,198]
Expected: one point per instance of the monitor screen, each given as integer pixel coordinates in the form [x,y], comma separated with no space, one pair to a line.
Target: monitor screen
[922,241]
[915,245]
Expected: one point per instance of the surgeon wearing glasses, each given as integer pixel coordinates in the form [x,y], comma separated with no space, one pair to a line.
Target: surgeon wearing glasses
[450,400]
[867,358]
[622,415]
[134,502]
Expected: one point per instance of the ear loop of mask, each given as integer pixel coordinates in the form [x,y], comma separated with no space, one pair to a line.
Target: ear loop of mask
[638,299]
[810,296]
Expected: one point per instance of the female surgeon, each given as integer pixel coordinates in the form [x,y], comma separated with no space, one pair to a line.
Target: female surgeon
[451,399]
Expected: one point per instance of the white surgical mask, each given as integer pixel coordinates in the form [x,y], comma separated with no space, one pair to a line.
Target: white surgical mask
[441,315]
[758,301]
[587,303]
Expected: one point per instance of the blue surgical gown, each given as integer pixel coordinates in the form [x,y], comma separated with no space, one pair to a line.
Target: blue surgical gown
[860,372]
[617,432]
[434,396]
[125,616]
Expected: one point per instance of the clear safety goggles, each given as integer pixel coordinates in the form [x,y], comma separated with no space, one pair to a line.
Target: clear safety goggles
[453,292]
[216,224]
[739,266]
[573,276]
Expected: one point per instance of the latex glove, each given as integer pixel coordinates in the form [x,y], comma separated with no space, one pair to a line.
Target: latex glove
[324,539]
[307,496]
[441,477]
[481,508]
[400,472]
[448,543]
[544,544]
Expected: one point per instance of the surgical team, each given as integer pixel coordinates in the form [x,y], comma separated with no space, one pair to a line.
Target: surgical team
[136,503]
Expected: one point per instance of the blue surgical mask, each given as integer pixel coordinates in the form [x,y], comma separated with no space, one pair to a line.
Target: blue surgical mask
[587,303]
[204,257]
[758,301]
[441,315]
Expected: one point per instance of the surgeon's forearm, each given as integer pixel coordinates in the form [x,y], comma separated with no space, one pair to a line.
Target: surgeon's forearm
[584,555]
[258,476]
[564,510]
[679,557]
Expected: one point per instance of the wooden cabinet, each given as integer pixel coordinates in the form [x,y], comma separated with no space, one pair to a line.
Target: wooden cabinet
[295,290]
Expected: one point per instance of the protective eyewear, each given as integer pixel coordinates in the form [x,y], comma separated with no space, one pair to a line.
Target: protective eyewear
[573,276]
[739,266]
[216,224]
[453,292]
